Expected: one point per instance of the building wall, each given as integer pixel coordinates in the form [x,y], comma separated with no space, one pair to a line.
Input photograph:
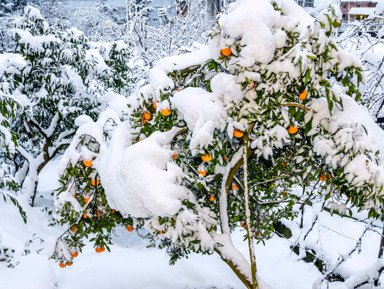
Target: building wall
[345,6]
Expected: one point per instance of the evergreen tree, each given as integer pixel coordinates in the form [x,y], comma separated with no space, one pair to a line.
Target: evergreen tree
[44,88]
[221,138]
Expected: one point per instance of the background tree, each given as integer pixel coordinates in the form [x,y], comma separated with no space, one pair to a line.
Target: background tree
[52,83]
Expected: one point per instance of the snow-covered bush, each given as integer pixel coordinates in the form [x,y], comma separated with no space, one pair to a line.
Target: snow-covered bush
[223,136]
[54,77]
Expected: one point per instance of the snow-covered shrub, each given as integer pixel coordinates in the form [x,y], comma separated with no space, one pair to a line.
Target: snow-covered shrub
[54,77]
[223,136]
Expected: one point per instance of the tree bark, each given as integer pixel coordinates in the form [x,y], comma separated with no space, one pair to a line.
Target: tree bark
[251,245]
[235,270]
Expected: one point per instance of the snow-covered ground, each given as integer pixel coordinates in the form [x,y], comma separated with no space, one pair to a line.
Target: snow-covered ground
[130,265]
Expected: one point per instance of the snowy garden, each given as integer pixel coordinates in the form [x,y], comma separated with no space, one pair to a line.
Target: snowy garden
[241,151]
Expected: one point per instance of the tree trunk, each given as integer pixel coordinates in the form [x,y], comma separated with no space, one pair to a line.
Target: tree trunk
[380,256]
[247,211]
[235,270]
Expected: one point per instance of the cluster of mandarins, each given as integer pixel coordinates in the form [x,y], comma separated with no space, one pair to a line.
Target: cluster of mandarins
[96,213]
[303,95]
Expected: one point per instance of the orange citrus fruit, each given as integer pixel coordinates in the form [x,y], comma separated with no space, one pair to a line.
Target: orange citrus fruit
[203,173]
[174,156]
[155,104]
[74,229]
[99,249]
[206,158]
[252,86]
[147,116]
[303,95]
[74,254]
[234,187]
[88,163]
[292,129]
[323,177]
[165,112]
[129,228]
[86,200]
[69,263]
[62,265]
[226,51]
[85,216]
[238,133]
[211,198]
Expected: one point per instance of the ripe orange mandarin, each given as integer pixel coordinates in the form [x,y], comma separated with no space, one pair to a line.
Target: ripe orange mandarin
[203,173]
[93,183]
[206,158]
[303,95]
[242,224]
[69,263]
[85,216]
[74,229]
[174,156]
[75,254]
[323,177]
[155,104]
[88,163]
[165,112]
[86,200]
[129,228]
[292,129]
[99,249]
[238,133]
[211,198]
[147,116]
[234,187]
[252,86]
[226,51]
[62,265]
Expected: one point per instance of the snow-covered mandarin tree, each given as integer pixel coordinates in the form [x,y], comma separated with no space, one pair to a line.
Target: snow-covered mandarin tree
[223,137]
[54,77]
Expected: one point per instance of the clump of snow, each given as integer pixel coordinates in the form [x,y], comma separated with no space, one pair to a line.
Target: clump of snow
[255,23]
[139,179]
[201,113]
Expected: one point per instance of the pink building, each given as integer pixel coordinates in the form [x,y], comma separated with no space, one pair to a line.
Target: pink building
[356,10]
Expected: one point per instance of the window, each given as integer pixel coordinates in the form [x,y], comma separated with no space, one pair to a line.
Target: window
[345,6]
[358,5]
[162,12]
[343,16]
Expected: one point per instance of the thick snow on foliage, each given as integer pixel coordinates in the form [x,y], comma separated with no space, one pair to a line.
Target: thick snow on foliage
[139,179]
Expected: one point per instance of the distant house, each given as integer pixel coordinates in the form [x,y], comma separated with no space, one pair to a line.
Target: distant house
[160,12]
[357,10]
[163,9]
[305,3]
